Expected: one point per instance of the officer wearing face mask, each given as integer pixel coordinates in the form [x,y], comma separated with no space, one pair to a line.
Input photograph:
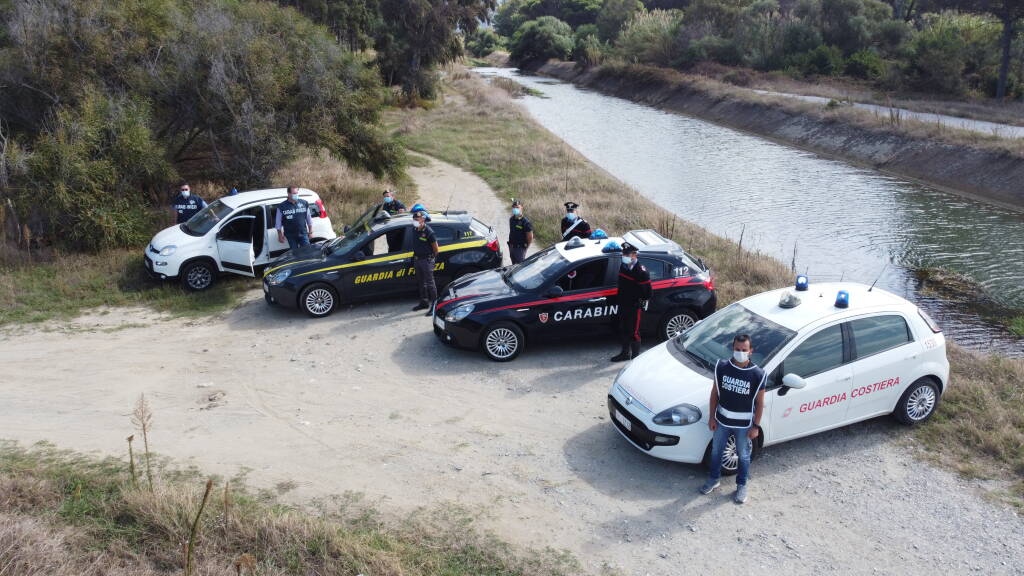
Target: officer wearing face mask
[293,221]
[573,224]
[634,292]
[737,403]
[186,204]
[520,233]
[392,205]
[424,254]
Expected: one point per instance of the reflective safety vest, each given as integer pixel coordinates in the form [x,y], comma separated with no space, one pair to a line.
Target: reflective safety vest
[737,393]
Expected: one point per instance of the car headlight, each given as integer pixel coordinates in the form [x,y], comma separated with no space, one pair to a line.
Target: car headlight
[681,415]
[459,313]
[168,250]
[278,277]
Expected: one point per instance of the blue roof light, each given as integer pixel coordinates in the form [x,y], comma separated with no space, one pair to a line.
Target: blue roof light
[843,299]
[801,283]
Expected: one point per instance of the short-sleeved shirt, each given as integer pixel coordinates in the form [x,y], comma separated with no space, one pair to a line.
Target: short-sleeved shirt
[186,207]
[423,241]
[394,207]
[518,227]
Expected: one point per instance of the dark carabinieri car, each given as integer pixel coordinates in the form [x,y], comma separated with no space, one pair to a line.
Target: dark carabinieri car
[570,289]
[373,259]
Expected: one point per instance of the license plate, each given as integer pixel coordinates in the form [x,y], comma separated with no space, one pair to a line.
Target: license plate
[624,421]
[439,322]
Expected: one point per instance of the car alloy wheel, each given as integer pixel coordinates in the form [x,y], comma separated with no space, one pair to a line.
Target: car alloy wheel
[319,301]
[678,324]
[502,343]
[921,402]
[199,277]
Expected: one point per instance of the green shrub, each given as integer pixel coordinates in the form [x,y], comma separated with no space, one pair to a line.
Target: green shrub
[613,17]
[589,52]
[541,39]
[710,48]
[799,36]
[509,17]
[759,35]
[845,25]
[865,64]
[482,42]
[650,37]
[822,61]
[938,59]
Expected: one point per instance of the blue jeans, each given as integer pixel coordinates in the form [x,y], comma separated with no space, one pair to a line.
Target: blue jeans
[297,240]
[744,445]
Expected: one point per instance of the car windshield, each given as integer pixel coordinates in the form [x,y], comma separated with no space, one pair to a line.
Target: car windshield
[204,220]
[347,241]
[533,272]
[711,340]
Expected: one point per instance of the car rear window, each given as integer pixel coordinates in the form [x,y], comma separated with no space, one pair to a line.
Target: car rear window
[479,228]
[445,234]
[879,333]
[658,269]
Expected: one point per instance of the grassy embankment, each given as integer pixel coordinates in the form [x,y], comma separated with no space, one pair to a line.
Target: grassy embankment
[63,514]
[36,288]
[979,429]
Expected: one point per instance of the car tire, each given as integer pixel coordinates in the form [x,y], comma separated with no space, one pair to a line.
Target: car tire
[198,275]
[675,322]
[731,460]
[918,403]
[318,300]
[502,342]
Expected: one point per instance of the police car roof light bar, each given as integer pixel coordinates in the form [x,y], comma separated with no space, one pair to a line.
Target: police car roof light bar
[843,299]
[801,283]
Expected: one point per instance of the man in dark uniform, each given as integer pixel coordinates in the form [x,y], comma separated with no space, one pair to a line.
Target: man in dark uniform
[520,233]
[392,205]
[293,221]
[634,292]
[424,253]
[737,402]
[573,224]
[186,204]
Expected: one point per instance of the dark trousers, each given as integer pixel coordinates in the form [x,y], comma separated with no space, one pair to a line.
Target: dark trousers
[517,252]
[629,325]
[297,240]
[425,278]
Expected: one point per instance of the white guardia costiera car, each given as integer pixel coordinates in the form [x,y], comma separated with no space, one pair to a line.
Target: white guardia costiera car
[234,234]
[834,354]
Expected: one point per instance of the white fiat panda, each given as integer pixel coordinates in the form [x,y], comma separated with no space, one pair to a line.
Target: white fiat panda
[233,234]
[834,354]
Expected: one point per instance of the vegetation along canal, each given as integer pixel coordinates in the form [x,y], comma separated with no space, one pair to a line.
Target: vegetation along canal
[842,221]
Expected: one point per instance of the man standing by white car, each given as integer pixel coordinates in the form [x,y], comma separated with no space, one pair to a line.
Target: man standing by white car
[737,402]
[293,221]
[186,204]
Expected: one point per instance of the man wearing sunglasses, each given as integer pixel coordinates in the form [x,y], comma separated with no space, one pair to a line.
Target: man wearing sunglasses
[186,204]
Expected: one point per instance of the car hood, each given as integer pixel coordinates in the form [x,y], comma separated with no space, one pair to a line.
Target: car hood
[311,254]
[659,381]
[486,285]
[173,236]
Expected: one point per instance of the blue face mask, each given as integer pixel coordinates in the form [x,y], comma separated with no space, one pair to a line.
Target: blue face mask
[388,199]
[626,260]
[571,216]
[517,212]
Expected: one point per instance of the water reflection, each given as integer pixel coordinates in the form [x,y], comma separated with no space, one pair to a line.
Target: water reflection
[842,221]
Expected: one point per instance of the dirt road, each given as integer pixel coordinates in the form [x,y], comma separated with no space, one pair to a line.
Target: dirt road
[367,400]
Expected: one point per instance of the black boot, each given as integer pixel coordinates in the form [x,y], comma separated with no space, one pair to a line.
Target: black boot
[623,356]
[634,349]
[421,306]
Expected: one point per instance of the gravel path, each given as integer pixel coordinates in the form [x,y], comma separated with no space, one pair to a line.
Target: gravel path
[368,401]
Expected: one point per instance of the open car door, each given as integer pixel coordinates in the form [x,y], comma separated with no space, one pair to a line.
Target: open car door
[235,243]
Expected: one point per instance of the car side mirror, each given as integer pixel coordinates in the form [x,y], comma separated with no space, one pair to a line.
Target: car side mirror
[359,256]
[346,229]
[793,381]
[554,292]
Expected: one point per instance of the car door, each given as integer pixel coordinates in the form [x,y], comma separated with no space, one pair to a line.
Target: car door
[586,305]
[446,235]
[380,267]
[658,270]
[883,348]
[822,360]
[235,243]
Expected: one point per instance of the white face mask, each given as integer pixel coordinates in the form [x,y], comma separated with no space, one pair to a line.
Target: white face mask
[186,193]
[740,356]
[626,260]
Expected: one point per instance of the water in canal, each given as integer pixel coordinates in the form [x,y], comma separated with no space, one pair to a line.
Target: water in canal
[845,221]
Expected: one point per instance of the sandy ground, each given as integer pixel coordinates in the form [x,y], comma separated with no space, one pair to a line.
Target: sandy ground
[367,401]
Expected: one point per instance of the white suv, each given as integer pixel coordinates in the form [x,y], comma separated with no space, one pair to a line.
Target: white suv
[834,354]
[233,234]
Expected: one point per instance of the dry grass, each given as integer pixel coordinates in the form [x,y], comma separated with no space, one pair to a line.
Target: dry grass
[62,514]
[481,129]
[648,77]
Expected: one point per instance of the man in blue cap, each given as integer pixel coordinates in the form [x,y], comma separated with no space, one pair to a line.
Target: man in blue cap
[293,221]
[186,204]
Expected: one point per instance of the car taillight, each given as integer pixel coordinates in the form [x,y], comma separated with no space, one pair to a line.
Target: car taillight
[493,245]
[707,279]
[323,209]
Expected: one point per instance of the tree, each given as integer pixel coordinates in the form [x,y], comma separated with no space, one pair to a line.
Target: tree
[575,13]
[1009,12]
[354,22]
[419,35]
[541,39]
[482,41]
[509,17]
[613,16]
